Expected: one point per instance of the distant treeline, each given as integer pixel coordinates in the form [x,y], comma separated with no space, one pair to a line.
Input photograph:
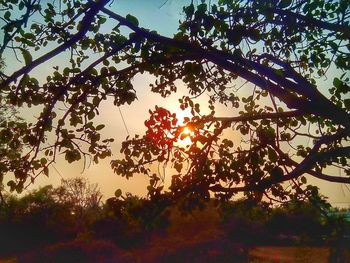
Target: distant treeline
[72,220]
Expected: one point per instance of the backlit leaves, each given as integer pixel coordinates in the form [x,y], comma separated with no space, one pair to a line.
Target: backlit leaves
[281,49]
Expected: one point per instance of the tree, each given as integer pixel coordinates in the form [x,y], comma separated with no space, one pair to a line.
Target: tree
[285,49]
[81,195]
[36,218]
[11,126]
[48,214]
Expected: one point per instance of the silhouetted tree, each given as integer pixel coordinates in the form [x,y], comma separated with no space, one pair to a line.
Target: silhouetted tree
[11,126]
[33,220]
[48,214]
[266,61]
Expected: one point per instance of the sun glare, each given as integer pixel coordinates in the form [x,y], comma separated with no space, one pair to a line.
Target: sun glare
[186,131]
[185,137]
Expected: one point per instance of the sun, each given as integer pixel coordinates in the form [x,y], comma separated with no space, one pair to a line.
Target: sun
[187,131]
[184,139]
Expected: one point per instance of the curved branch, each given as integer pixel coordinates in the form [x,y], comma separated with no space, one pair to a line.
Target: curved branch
[85,24]
[302,168]
[261,116]
[317,174]
[19,22]
[345,30]
[239,65]
[312,159]
[330,178]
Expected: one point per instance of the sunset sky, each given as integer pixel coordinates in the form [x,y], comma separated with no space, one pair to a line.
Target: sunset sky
[163,17]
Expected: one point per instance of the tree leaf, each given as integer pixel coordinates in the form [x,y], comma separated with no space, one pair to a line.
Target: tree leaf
[337,83]
[46,171]
[284,3]
[27,56]
[100,127]
[303,180]
[132,19]
[118,193]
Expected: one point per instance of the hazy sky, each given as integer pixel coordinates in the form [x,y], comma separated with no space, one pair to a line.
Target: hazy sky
[162,16]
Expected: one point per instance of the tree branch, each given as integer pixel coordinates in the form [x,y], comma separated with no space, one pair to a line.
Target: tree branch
[223,60]
[261,116]
[345,30]
[85,24]
[304,167]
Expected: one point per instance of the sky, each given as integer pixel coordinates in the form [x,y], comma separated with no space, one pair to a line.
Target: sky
[162,16]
